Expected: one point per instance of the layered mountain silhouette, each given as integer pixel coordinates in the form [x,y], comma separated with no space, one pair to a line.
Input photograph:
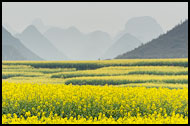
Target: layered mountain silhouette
[13,49]
[143,28]
[38,23]
[126,43]
[173,44]
[142,37]
[77,45]
[39,44]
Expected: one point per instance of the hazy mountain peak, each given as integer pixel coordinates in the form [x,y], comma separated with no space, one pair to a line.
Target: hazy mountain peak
[145,28]
[30,29]
[142,19]
[99,33]
[128,38]
[38,23]
[73,29]
[39,44]
[13,49]
[126,43]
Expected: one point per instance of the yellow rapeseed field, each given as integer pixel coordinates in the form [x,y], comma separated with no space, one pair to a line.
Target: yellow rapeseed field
[56,103]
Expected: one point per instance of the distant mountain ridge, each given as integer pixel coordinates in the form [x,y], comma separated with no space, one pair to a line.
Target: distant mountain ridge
[39,44]
[173,44]
[13,49]
[55,43]
[77,45]
[138,30]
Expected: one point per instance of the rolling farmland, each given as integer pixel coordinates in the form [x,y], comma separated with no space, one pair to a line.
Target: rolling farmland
[103,91]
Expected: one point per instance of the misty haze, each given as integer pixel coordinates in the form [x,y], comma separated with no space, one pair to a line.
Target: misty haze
[95,62]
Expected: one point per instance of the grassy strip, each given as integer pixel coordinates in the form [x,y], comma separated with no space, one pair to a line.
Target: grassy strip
[115,80]
[84,65]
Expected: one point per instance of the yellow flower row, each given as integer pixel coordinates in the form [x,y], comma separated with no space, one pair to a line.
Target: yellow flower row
[50,103]
[101,119]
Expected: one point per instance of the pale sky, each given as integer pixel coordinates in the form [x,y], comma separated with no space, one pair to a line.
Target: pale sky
[109,17]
